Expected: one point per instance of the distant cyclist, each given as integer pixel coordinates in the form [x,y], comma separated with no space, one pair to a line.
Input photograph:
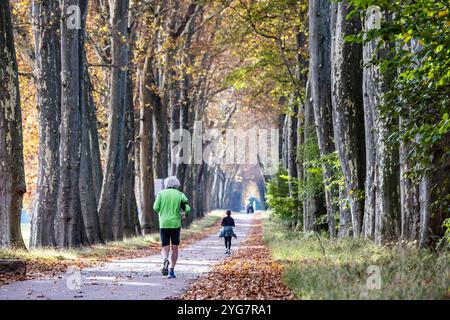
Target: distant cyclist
[172,207]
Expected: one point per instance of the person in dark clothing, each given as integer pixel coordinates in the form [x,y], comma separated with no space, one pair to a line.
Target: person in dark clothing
[227,232]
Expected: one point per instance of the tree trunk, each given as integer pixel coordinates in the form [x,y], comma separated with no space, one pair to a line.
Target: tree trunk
[292,142]
[146,180]
[88,192]
[284,142]
[312,202]
[161,117]
[12,176]
[348,116]
[115,159]
[345,221]
[320,78]
[185,84]
[439,180]
[381,198]
[131,226]
[46,17]
[424,202]
[94,142]
[409,196]
[70,225]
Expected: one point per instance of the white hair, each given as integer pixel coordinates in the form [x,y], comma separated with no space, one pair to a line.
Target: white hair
[171,182]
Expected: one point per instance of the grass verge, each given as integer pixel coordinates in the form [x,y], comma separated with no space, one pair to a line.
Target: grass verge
[319,268]
[49,261]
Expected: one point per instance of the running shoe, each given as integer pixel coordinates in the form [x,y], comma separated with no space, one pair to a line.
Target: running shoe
[165,269]
[171,275]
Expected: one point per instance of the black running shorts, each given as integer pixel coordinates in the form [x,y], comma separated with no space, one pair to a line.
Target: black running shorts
[170,235]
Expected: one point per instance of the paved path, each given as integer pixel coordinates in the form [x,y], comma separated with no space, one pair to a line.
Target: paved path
[134,279]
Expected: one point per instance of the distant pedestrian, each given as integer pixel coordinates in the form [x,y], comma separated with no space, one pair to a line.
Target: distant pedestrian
[227,231]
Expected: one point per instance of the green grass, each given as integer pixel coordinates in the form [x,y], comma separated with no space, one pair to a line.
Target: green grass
[405,272]
[102,250]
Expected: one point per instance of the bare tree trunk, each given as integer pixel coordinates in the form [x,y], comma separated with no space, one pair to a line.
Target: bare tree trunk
[348,113]
[70,225]
[115,159]
[12,176]
[284,142]
[131,225]
[185,84]
[424,202]
[409,196]
[161,155]
[46,17]
[312,202]
[381,197]
[88,192]
[94,142]
[320,78]
[146,180]
[292,142]
[345,221]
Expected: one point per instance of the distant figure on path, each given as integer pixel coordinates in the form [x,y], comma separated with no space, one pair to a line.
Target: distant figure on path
[227,231]
[168,204]
[250,208]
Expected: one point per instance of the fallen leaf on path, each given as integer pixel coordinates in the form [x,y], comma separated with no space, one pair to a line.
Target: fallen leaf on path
[251,273]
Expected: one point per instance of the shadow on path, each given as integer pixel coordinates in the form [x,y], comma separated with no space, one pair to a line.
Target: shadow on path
[133,279]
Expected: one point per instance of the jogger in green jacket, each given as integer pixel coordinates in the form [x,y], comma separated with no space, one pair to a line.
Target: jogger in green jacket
[172,207]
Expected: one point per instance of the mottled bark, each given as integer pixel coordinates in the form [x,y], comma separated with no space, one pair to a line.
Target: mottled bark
[424,202]
[70,225]
[284,142]
[409,196]
[312,202]
[47,64]
[146,180]
[12,176]
[115,158]
[185,85]
[382,174]
[94,142]
[292,142]
[130,219]
[185,104]
[88,191]
[320,78]
[348,111]
[345,217]
[161,154]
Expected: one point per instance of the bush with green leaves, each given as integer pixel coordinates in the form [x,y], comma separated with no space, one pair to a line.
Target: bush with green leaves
[284,204]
